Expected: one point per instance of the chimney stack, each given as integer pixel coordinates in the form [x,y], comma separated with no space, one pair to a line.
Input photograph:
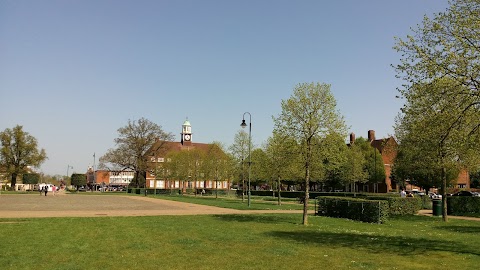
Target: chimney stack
[352,138]
[371,135]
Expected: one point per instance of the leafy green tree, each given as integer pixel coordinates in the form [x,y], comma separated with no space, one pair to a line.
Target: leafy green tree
[133,142]
[259,169]
[279,150]
[440,68]
[185,165]
[426,130]
[354,169]
[239,152]
[424,172]
[31,178]
[446,46]
[217,165]
[79,179]
[18,151]
[334,151]
[196,157]
[374,166]
[308,115]
[475,179]
[171,166]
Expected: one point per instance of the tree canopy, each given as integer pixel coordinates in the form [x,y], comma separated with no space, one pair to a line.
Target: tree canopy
[308,115]
[31,178]
[132,144]
[19,150]
[441,70]
[447,46]
[78,179]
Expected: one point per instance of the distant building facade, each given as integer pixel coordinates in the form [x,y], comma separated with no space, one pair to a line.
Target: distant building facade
[388,150]
[109,178]
[157,175]
[387,147]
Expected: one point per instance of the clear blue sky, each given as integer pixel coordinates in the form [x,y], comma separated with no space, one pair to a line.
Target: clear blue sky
[73,72]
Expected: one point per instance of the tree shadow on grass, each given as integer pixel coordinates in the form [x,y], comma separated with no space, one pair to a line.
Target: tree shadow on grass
[460,229]
[394,244]
[263,218]
[410,218]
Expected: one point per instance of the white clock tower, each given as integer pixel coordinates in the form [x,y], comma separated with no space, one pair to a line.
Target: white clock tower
[186,135]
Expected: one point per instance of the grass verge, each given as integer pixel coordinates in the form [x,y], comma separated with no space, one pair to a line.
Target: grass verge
[268,241]
[234,203]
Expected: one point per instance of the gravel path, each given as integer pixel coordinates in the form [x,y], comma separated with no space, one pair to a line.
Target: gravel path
[429,213]
[73,205]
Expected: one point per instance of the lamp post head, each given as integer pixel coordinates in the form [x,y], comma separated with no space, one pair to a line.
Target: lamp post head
[243,124]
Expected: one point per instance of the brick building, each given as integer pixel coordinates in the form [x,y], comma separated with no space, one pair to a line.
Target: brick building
[157,175]
[388,149]
[109,178]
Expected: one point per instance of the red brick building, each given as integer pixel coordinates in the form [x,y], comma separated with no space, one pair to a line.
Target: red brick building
[388,149]
[157,177]
[109,178]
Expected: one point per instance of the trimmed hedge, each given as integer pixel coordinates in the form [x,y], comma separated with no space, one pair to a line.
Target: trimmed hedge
[401,206]
[315,194]
[152,191]
[460,205]
[353,208]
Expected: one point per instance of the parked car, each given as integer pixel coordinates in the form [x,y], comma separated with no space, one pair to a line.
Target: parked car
[434,196]
[467,193]
[416,192]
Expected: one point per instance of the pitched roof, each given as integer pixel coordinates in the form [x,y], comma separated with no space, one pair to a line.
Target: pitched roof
[163,147]
[381,143]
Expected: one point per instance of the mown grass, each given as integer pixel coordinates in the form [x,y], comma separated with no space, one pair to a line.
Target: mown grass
[267,241]
[232,202]
[256,203]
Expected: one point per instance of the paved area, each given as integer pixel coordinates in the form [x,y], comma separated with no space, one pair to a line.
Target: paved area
[430,213]
[73,205]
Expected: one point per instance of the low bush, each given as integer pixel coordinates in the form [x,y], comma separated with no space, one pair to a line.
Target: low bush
[352,208]
[401,206]
[312,194]
[460,205]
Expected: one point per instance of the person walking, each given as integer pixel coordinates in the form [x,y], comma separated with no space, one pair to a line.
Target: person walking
[45,190]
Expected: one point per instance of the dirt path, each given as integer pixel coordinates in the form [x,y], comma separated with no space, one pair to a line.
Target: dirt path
[72,205]
[430,214]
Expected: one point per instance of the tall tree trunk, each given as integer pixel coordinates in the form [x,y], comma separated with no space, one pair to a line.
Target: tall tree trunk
[307,184]
[279,191]
[444,183]
[444,193]
[14,180]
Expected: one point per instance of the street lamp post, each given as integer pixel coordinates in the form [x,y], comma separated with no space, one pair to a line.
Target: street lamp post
[68,167]
[243,125]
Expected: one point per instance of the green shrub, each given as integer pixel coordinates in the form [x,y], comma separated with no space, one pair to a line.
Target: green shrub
[401,206]
[426,202]
[460,205]
[353,208]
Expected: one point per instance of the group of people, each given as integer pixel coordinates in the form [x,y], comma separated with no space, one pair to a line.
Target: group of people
[45,189]
[404,194]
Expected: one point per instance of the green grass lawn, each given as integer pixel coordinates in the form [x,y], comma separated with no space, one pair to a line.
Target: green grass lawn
[256,203]
[267,241]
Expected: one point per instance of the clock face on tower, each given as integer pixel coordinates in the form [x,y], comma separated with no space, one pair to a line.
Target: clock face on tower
[187,137]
